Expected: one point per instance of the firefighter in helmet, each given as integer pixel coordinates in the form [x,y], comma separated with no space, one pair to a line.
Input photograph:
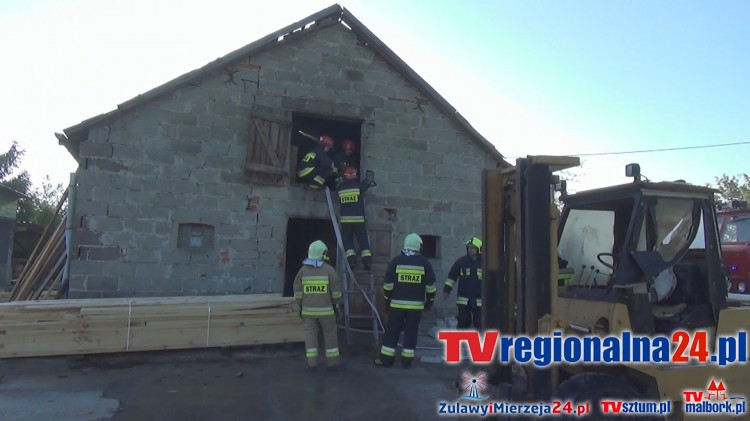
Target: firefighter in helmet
[408,289]
[346,156]
[352,208]
[318,291]
[316,166]
[467,273]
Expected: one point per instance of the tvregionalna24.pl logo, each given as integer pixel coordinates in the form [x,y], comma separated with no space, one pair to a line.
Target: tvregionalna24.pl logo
[473,403]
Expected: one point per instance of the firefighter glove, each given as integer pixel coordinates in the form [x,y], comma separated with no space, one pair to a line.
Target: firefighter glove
[428,305]
[370,178]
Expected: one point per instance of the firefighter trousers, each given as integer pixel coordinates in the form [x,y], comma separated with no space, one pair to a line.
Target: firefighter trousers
[398,320]
[359,229]
[327,325]
[468,316]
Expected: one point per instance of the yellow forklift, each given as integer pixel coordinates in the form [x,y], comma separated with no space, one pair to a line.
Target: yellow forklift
[642,257]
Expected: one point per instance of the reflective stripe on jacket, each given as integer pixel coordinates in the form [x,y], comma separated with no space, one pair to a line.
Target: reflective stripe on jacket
[409,282]
[352,201]
[467,273]
[317,289]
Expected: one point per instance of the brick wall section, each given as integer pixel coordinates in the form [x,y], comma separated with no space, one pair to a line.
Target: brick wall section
[180,159]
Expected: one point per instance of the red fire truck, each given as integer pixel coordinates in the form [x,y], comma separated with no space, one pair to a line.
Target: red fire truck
[734,229]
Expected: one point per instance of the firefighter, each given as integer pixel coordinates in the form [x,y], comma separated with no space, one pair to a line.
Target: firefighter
[467,272]
[408,289]
[317,289]
[317,166]
[351,195]
[345,157]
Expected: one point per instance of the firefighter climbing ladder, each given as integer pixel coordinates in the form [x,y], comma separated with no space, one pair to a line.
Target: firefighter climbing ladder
[349,280]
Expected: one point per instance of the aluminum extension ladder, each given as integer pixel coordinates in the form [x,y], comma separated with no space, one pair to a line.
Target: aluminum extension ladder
[348,281]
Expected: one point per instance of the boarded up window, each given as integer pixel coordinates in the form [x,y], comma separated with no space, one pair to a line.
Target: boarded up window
[267,160]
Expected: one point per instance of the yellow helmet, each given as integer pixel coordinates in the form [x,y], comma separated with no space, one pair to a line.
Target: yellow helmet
[317,250]
[474,242]
[413,242]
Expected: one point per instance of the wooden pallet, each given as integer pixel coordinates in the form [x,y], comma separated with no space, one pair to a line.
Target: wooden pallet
[89,326]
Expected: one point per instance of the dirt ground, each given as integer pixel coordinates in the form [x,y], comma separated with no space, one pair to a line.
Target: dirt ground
[239,384]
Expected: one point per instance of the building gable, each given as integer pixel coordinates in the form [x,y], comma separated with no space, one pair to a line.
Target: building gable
[334,15]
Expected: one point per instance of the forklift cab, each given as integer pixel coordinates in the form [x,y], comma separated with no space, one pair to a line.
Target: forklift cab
[641,256]
[652,246]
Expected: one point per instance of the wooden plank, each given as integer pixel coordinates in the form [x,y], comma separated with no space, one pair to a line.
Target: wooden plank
[44,238]
[27,282]
[262,133]
[64,327]
[52,273]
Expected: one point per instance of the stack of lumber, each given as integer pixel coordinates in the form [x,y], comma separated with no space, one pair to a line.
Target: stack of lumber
[89,326]
[44,268]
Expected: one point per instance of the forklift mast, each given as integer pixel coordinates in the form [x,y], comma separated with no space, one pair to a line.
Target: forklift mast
[519,223]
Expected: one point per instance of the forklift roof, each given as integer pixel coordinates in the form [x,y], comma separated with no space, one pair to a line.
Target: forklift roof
[640,187]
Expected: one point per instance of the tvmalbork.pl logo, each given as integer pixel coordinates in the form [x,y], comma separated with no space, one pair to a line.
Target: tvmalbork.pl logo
[714,400]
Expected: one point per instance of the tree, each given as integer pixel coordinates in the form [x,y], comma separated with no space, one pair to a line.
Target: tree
[42,202]
[733,188]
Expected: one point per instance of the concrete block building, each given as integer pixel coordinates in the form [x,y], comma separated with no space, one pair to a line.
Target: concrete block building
[191,189]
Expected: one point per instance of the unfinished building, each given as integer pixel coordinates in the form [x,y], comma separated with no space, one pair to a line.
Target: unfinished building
[190,188]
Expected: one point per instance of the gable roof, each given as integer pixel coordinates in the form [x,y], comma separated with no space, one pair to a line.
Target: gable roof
[11,192]
[328,16]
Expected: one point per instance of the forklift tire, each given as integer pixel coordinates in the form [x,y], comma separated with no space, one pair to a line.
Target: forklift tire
[593,387]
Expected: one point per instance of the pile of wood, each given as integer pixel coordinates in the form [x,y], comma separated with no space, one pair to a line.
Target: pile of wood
[43,272]
[90,326]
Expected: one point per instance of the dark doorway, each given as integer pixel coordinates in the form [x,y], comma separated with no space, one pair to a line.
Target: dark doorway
[300,232]
[316,126]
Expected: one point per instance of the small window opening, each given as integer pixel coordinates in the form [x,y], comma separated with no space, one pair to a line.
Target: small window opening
[195,237]
[431,246]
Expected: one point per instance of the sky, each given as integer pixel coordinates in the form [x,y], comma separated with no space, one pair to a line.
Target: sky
[534,78]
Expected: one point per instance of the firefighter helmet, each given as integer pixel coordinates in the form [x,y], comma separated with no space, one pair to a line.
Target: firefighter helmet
[349,145]
[317,250]
[413,242]
[474,242]
[326,141]
[350,173]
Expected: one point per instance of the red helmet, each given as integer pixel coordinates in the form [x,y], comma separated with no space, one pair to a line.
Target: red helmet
[326,141]
[349,145]
[350,173]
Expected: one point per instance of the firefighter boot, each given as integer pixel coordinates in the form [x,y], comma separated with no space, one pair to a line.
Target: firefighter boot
[367,262]
[383,361]
[352,261]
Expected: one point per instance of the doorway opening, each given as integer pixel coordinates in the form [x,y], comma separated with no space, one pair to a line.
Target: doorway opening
[300,232]
[316,126]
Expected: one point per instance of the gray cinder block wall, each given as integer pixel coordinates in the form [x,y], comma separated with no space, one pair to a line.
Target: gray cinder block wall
[180,159]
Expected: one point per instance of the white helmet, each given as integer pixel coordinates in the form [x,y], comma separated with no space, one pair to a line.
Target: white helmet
[317,250]
[413,242]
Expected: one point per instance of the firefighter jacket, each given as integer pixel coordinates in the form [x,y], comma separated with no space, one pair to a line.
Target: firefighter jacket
[468,274]
[342,160]
[317,288]
[316,158]
[351,196]
[409,282]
